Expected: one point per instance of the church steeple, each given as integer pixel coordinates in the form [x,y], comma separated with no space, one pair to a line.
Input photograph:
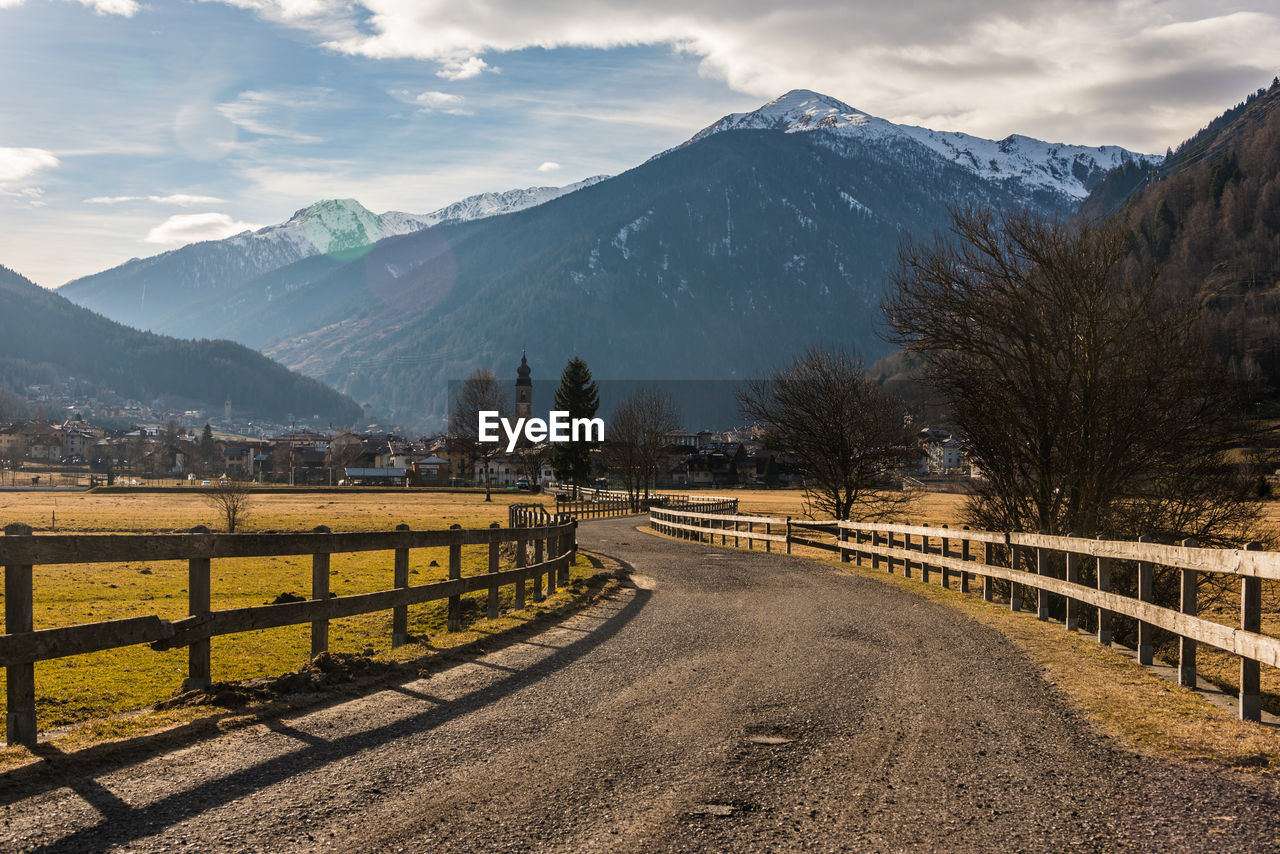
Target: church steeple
[524,388]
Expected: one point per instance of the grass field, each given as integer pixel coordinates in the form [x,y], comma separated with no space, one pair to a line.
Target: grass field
[79,688]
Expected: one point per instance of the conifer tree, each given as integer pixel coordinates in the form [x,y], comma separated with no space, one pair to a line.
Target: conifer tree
[578,396]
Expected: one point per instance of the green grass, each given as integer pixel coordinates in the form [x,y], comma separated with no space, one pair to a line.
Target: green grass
[101,685]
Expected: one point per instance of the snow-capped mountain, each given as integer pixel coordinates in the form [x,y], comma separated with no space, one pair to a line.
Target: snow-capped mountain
[767,232]
[146,292]
[481,206]
[1014,162]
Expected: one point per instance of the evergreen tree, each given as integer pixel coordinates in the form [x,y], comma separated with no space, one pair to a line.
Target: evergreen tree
[578,396]
[771,472]
[208,450]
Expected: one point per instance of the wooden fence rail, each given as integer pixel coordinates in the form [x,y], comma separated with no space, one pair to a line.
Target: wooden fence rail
[553,547]
[964,554]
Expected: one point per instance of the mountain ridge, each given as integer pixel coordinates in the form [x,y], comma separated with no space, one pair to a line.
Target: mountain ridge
[43,335]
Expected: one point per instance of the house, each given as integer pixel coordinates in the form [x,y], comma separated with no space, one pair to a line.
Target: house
[430,471]
[237,460]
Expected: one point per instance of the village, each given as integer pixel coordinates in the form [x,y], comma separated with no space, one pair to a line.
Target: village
[35,452]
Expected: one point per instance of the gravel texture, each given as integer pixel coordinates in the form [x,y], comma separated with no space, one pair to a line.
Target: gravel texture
[728,701]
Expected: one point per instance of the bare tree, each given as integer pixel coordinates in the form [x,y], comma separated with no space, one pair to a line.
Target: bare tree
[636,442]
[845,432]
[1083,387]
[344,450]
[231,499]
[480,392]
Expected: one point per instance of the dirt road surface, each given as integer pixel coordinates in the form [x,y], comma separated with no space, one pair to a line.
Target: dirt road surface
[728,701]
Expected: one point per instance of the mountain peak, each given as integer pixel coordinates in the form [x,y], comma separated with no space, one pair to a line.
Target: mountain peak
[804,108]
[329,208]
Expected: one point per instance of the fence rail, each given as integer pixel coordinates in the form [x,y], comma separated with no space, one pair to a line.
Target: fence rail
[553,547]
[592,503]
[963,554]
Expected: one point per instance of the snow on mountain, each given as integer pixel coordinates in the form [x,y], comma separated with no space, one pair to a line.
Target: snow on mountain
[338,226]
[481,206]
[1031,164]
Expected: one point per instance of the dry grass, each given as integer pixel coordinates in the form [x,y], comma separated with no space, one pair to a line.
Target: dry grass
[938,508]
[82,512]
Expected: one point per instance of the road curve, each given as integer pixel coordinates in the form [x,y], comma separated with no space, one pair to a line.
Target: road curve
[729,701]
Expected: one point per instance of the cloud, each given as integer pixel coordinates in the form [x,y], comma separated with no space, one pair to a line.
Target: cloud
[442,102]
[190,228]
[993,67]
[180,199]
[124,8]
[472,66]
[549,166]
[267,113]
[19,163]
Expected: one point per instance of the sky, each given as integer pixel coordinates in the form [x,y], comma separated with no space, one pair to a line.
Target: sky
[130,127]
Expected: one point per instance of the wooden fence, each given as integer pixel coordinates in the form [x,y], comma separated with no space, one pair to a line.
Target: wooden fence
[553,547]
[591,503]
[958,554]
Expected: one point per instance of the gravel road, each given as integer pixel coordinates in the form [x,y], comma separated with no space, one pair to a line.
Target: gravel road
[729,701]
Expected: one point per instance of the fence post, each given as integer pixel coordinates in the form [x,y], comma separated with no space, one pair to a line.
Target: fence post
[564,548]
[751,541]
[988,583]
[1042,569]
[788,535]
[1250,621]
[400,579]
[1104,584]
[946,553]
[492,611]
[875,544]
[924,560]
[1187,646]
[964,555]
[1073,577]
[1145,571]
[521,560]
[320,591]
[20,679]
[453,621]
[547,547]
[768,529]
[842,541]
[1015,589]
[906,561]
[199,665]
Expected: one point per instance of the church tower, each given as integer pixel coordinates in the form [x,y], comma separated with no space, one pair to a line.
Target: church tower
[524,389]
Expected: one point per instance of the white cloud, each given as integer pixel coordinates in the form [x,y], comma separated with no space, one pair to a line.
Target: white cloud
[19,163]
[267,113]
[124,8]
[443,102]
[472,66]
[181,199]
[190,228]
[1058,71]
[549,166]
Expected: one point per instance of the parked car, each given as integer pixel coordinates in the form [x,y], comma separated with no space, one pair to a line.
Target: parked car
[522,483]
